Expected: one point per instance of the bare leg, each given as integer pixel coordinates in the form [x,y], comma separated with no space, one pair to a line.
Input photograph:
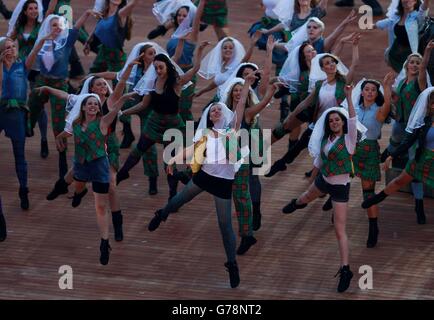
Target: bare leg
[340,211]
[101,214]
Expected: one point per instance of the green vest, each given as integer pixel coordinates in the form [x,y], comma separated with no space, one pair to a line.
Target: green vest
[89,144]
[338,160]
[26,46]
[407,96]
[339,95]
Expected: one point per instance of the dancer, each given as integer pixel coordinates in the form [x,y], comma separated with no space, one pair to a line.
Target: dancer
[332,143]
[420,128]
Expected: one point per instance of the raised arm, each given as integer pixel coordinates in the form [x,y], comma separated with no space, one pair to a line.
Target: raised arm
[107,120]
[331,39]
[108,75]
[265,76]
[251,112]
[51,7]
[256,36]
[354,61]
[52,91]
[241,105]
[142,105]
[323,5]
[384,110]
[196,22]
[337,49]
[36,48]
[128,9]
[83,18]
[422,80]
[186,77]
[178,51]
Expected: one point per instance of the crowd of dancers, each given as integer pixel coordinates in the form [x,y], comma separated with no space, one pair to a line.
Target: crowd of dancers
[323,108]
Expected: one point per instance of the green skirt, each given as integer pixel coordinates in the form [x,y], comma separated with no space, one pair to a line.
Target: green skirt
[396,56]
[422,170]
[156,124]
[216,13]
[366,160]
[113,150]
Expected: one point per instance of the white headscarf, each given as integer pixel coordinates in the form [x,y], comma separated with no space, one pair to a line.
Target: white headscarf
[403,73]
[225,121]
[317,136]
[317,74]
[164,10]
[228,86]
[45,30]
[212,63]
[17,11]
[284,10]
[300,35]
[86,86]
[290,72]
[221,89]
[418,113]
[147,83]
[133,56]
[74,114]
[356,94]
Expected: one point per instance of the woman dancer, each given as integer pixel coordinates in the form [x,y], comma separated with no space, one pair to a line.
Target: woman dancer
[420,128]
[332,144]
[24,26]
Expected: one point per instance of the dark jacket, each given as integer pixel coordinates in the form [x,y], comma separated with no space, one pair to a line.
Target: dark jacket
[418,135]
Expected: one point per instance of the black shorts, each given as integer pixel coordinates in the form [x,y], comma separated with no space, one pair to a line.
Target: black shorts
[306,115]
[338,192]
[97,187]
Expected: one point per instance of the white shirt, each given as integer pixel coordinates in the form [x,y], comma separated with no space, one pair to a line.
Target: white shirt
[269,6]
[326,98]
[350,144]
[216,164]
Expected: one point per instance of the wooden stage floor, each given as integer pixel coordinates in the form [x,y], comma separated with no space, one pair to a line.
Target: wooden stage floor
[295,257]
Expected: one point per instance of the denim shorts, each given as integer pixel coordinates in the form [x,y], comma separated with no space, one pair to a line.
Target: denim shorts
[338,192]
[96,171]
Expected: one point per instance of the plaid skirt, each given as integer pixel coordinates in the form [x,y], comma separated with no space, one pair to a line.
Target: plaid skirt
[113,150]
[396,56]
[156,124]
[108,59]
[216,13]
[423,170]
[366,160]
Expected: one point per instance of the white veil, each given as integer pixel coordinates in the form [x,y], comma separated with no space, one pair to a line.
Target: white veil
[300,35]
[290,72]
[45,30]
[284,10]
[76,109]
[355,95]
[418,113]
[317,74]
[226,88]
[228,116]
[17,11]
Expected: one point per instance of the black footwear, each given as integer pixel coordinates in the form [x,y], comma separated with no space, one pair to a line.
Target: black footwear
[308,174]
[344,3]
[257,216]
[24,198]
[105,249]
[173,186]
[44,149]
[373,233]
[282,92]
[153,186]
[234,274]
[29,132]
[420,212]
[376,7]
[7,14]
[158,31]
[384,155]
[328,205]
[3,230]
[117,220]
[76,198]
[128,136]
[345,275]
[246,243]
[61,187]
[121,176]
[156,220]
[279,165]
[374,200]
[292,206]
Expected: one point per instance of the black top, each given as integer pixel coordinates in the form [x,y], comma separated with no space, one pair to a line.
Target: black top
[106,110]
[401,35]
[165,103]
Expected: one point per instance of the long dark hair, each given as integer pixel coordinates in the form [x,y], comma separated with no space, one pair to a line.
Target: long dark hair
[302,58]
[22,18]
[92,83]
[379,100]
[128,22]
[142,50]
[172,74]
[313,4]
[430,101]
[251,66]
[338,75]
[327,131]
[175,18]
[401,9]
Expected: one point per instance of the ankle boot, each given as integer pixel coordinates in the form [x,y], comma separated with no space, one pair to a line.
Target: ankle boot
[44,149]
[328,205]
[173,185]
[373,233]
[246,243]
[234,274]
[420,212]
[156,220]
[104,249]
[257,216]
[3,230]
[374,200]
[123,174]
[158,31]
[24,198]
[61,187]
[76,198]
[117,220]
[345,276]
[292,206]
[153,186]
[7,14]
[63,164]
[279,165]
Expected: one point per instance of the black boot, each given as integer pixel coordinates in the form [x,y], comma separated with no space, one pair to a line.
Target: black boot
[104,249]
[24,198]
[7,14]
[374,200]
[308,174]
[156,220]
[344,3]
[328,205]
[292,206]
[384,155]
[153,186]
[123,174]
[257,216]
[420,212]
[173,185]
[63,164]
[246,243]
[376,7]
[44,149]
[128,136]
[158,31]
[117,220]
[345,276]
[279,165]
[76,198]
[373,233]
[61,187]
[3,230]
[234,274]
